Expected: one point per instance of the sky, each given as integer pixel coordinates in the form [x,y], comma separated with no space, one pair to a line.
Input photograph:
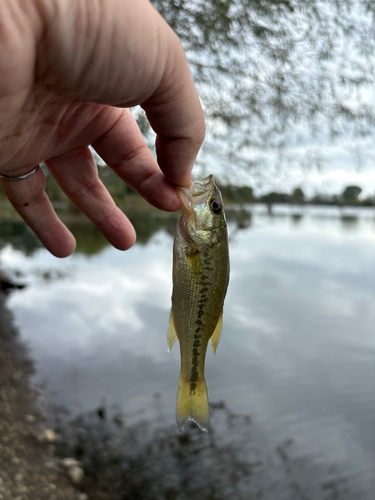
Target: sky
[326,169]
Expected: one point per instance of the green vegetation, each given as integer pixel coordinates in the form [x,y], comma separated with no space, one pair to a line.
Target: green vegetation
[134,205]
[237,194]
[349,197]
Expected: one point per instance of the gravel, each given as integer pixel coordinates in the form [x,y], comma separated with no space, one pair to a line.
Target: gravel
[28,468]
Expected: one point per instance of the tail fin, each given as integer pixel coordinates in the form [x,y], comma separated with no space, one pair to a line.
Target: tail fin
[192,404]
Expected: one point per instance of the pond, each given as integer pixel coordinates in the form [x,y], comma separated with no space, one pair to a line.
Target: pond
[296,355]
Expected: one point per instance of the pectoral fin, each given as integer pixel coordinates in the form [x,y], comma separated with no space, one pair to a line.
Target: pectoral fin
[215,337]
[172,337]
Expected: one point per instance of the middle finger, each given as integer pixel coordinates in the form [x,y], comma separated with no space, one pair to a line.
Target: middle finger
[77,175]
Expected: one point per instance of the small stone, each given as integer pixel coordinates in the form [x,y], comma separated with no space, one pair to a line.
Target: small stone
[18,375]
[51,449]
[23,489]
[70,462]
[48,436]
[76,474]
[50,465]
[30,419]
[83,496]
[19,477]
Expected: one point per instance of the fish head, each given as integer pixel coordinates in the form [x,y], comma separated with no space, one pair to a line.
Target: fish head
[203,212]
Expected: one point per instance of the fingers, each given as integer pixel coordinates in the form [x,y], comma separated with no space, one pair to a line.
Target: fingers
[31,202]
[175,113]
[122,53]
[76,173]
[125,151]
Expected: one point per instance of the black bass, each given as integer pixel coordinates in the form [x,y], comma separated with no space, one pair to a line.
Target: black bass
[200,281]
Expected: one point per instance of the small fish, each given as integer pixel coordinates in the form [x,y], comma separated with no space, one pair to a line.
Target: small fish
[200,281]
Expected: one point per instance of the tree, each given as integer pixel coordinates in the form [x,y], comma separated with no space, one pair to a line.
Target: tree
[350,195]
[297,197]
[273,72]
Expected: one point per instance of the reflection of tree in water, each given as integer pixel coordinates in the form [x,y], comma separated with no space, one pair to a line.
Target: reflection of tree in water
[20,236]
[90,241]
[297,218]
[149,460]
[349,222]
[147,224]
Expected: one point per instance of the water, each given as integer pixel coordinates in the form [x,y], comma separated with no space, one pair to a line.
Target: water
[297,351]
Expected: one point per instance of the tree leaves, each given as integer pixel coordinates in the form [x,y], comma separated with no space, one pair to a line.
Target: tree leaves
[265,69]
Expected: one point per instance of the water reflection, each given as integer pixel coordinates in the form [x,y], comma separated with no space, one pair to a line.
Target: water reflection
[20,236]
[297,351]
[297,218]
[349,222]
[149,460]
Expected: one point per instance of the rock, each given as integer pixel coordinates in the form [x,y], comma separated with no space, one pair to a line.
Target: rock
[83,496]
[70,462]
[30,419]
[23,489]
[50,465]
[74,471]
[51,450]
[76,474]
[48,436]
[17,375]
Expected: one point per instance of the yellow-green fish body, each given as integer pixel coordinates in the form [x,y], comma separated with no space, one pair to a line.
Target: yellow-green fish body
[200,280]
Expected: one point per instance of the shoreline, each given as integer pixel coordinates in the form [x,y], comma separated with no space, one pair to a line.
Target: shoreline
[29,469]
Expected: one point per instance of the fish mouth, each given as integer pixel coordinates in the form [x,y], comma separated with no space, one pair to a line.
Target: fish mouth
[196,193]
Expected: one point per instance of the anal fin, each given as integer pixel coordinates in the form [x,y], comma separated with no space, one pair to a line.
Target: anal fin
[215,337]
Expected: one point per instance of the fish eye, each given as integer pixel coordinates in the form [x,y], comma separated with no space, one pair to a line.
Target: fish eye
[215,206]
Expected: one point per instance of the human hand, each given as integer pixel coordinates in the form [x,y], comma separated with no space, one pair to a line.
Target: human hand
[69,71]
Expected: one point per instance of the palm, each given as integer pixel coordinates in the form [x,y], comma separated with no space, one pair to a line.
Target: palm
[69,92]
[51,129]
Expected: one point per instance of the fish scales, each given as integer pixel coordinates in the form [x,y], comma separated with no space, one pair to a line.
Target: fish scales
[200,280]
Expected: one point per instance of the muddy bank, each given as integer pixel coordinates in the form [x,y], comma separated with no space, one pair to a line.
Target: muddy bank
[29,468]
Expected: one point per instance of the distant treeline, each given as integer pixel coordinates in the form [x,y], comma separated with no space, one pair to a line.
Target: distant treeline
[231,193]
[245,194]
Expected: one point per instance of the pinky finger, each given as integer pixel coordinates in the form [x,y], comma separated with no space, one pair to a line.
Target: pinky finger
[31,201]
